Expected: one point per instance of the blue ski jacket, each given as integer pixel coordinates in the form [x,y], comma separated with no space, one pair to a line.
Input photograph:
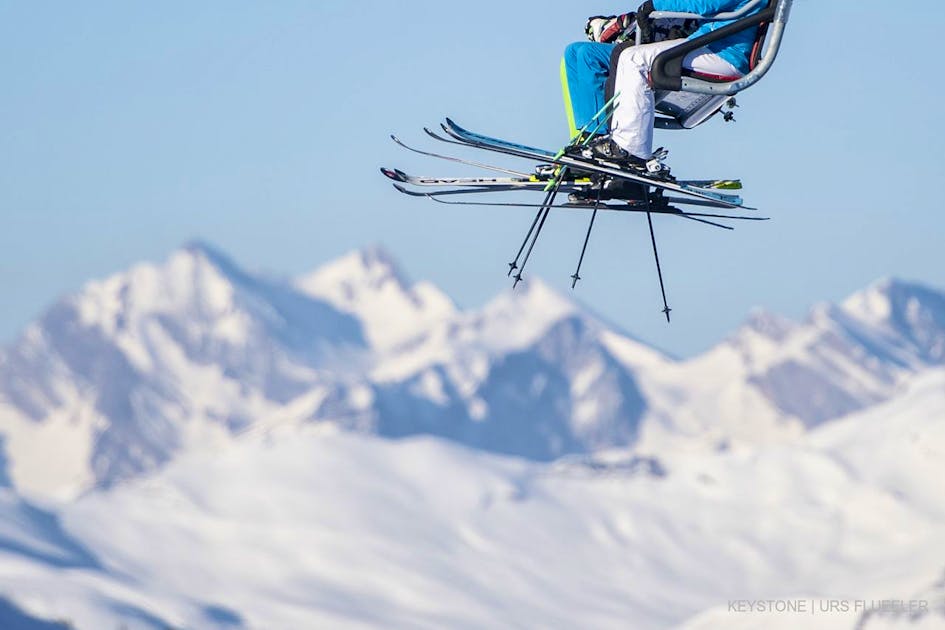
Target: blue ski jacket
[735,49]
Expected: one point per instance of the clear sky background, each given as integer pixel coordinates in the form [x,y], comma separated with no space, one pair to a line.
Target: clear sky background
[128,128]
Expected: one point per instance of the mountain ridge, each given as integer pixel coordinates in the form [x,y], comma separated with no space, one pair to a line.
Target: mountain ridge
[145,364]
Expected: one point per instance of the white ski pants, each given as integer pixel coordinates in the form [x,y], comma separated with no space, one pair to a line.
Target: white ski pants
[632,124]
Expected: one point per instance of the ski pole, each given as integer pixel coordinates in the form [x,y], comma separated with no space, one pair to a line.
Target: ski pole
[543,213]
[600,112]
[554,185]
[600,123]
[590,228]
[656,255]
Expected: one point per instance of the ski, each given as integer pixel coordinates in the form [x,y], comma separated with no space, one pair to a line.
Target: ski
[712,184]
[475,185]
[470,190]
[709,184]
[634,206]
[452,191]
[508,148]
[450,158]
[569,188]
[525,183]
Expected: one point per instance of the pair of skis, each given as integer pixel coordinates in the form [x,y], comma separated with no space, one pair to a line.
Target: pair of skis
[648,194]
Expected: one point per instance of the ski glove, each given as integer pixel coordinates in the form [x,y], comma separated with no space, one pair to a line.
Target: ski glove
[644,24]
[607,28]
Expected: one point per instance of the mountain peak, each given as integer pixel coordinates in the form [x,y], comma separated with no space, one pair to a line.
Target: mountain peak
[908,311]
[377,256]
[535,296]
[518,317]
[890,298]
[196,253]
[769,324]
[200,247]
[368,283]
[369,268]
[208,305]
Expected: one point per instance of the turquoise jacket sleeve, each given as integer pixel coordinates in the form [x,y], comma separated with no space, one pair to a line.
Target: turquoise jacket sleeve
[702,7]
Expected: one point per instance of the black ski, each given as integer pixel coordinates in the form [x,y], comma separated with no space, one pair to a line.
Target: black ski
[638,207]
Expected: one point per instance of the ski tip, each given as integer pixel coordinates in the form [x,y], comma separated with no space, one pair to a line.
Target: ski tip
[725,184]
[409,192]
[412,193]
[399,142]
[434,135]
[394,174]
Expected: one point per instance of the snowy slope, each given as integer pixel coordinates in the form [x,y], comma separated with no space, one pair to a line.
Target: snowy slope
[921,617]
[313,528]
[39,558]
[12,618]
[897,450]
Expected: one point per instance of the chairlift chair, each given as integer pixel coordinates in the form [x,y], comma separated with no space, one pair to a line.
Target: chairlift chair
[685,98]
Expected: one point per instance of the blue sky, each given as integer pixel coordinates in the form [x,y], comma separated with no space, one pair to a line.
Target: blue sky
[127,129]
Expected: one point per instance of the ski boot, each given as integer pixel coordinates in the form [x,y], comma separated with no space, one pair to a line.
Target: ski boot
[605,151]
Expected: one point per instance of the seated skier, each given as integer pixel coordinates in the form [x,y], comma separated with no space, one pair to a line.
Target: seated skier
[587,67]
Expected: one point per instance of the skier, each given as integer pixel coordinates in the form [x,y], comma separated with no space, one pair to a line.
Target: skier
[588,65]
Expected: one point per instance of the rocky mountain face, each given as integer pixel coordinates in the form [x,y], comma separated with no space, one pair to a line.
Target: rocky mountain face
[117,379]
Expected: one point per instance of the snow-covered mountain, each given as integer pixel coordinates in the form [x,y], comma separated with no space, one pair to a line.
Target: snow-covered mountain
[129,372]
[117,379]
[774,378]
[550,471]
[112,381]
[313,527]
